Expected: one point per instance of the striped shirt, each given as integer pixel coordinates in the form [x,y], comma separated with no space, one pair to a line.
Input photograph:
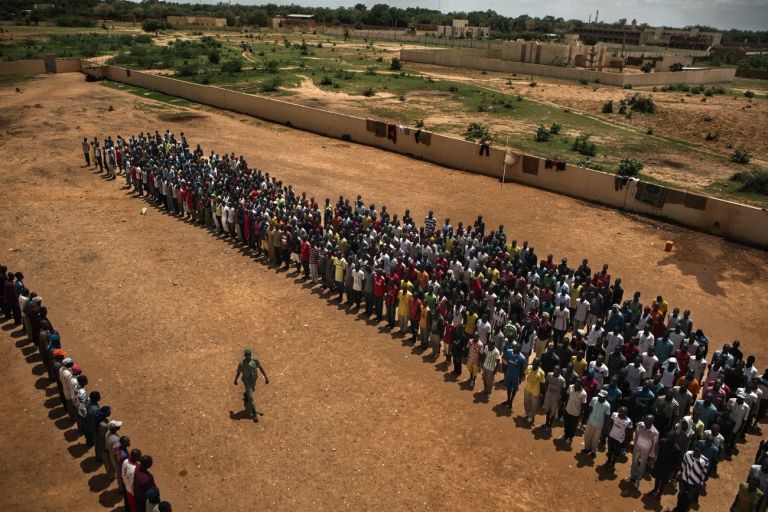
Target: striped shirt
[694,468]
[430,223]
[492,356]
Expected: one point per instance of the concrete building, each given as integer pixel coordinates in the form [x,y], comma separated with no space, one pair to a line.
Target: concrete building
[461,28]
[196,21]
[293,21]
[693,39]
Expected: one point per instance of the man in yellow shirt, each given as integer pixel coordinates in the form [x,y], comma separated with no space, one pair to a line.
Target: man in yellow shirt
[403,306]
[534,378]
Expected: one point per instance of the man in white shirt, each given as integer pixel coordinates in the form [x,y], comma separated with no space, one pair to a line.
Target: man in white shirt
[561,318]
[127,472]
[649,361]
[580,317]
[646,443]
[601,370]
[645,340]
[613,339]
[595,333]
[65,374]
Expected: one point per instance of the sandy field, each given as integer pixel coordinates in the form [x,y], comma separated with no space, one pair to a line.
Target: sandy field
[157,312]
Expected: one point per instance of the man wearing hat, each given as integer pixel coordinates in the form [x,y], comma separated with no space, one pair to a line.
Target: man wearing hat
[112,444]
[248,369]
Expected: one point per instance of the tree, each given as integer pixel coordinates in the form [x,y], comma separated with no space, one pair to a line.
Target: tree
[152,26]
[102,10]
[395,65]
[677,66]
[232,66]
[257,18]
[630,167]
[477,132]
[360,7]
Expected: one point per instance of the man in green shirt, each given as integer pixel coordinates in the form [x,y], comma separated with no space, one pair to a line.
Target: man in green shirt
[248,369]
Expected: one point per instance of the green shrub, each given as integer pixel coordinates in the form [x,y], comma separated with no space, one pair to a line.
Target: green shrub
[627,86]
[271,85]
[755,181]
[640,103]
[477,132]
[555,129]
[649,130]
[453,88]
[589,164]
[582,145]
[676,67]
[395,64]
[542,134]
[584,82]
[188,68]
[369,92]
[74,21]
[741,156]
[481,107]
[272,66]
[214,57]
[152,26]
[532,83]
[608,107]
[326,80]
[749,94]
[232,66]
[370,70]
[646,68]
[629,167]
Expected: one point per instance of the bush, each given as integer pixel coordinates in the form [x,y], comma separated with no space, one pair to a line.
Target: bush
[152,26]
[74,21]
[749,94]
[649,130]
[271,66]
[453,88]
[188,68]
[643,104]
[271,85]
[214,57]
[232,66]
[582,145]
[532,83]
[395,64]
[646,68]
[755,181]
[369,92]
[584,82]
[326,80]
[555,129]
[477,132]
[629,167]
[542,134]
[589,164]
[676,67]
[608,107]
[627,86]
[741,156]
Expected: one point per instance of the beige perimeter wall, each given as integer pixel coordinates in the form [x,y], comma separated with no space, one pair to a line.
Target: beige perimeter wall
[723,218]
[23,67]
[489,61]
[447,151]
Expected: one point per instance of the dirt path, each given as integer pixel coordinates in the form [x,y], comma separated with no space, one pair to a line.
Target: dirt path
[157,312]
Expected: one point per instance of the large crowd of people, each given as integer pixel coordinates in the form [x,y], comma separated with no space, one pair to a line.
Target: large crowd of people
[633,374]
[84,408]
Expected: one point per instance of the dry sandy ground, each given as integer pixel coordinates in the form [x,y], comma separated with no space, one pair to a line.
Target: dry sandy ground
[157,312]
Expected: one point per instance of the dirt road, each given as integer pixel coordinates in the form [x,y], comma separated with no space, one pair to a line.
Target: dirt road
[157,312]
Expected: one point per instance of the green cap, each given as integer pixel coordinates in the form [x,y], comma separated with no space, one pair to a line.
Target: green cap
[247,352]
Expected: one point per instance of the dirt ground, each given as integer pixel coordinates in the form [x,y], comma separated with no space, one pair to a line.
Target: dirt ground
[157,312]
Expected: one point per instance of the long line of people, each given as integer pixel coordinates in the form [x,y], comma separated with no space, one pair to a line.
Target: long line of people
[634,375]
[84,408]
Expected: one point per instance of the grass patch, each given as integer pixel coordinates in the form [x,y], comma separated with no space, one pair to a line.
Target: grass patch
[148,94]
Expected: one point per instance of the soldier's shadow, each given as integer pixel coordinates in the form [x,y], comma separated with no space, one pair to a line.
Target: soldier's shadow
[242,415]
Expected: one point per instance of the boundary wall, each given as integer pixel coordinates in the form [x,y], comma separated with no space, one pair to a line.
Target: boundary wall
[38,66]
[443,150]
[734,221]
[487,60]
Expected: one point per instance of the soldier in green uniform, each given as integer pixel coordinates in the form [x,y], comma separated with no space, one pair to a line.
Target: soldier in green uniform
[247,368]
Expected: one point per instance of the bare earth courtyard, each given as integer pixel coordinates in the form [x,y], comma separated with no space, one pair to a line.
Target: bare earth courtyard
[157,312]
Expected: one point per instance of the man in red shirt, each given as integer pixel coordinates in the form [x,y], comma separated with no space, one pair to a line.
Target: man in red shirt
[414,315]
[379,287]
[304,257]
[392,290]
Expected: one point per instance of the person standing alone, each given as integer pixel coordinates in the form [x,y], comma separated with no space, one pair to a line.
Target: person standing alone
[248,369]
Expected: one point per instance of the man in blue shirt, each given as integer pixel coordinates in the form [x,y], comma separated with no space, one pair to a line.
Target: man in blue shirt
[664,347]
[513,372]
[706,411]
